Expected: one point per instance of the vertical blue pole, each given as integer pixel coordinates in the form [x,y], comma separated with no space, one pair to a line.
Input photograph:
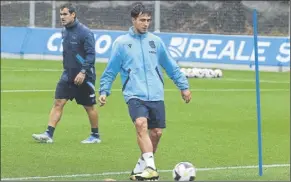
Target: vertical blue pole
[258,92]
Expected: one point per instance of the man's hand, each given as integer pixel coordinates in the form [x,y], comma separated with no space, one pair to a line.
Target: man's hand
[186,95]
[102,100]
[79,78]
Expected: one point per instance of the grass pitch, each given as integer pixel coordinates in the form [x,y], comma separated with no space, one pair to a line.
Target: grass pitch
[217,129]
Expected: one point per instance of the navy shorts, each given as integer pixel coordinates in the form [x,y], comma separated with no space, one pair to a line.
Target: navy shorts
[83,94]
[153,110]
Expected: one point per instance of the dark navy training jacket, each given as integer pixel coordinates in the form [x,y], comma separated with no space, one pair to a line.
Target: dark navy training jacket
[78,51]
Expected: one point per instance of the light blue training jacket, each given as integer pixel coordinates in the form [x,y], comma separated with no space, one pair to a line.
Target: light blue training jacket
[139,58]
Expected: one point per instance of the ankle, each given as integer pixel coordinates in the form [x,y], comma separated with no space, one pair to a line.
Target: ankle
[95,132]
[50,131]
[149,160]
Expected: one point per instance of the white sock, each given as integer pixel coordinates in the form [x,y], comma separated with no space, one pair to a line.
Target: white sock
[140,166]
[149,159]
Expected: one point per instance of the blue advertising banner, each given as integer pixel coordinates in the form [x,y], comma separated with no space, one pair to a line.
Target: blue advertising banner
[202,48]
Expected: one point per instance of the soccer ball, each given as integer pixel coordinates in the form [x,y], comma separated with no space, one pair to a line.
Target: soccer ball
[191,74]
[199,73]
[188,71]
[212,73]
[209,73]
[204,72]
[218,73]
[184,171]
[195,72]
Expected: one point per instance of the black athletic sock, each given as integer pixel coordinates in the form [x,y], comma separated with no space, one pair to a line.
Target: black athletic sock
[94,132]
[50,130]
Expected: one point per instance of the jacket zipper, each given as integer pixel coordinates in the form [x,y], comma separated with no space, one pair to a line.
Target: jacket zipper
[159,75]
[126,81]
[144,69]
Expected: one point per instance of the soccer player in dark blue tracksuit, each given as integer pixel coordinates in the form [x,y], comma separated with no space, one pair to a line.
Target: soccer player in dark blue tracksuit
[78,78]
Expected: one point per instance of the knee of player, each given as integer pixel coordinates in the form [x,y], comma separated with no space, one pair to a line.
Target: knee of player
[158,132]
[141,124]
[89,108]
[59,103]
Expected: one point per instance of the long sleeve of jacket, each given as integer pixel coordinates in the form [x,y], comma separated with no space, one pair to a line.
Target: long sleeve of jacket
[111,70]
[172,69]
[89,47]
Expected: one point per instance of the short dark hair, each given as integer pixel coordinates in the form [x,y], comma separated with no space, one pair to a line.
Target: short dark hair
[71,8]
[139,8]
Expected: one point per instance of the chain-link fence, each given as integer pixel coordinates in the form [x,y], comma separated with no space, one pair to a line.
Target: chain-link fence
[211,17]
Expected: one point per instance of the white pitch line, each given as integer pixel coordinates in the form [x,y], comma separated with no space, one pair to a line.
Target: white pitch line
[23,91]
[249,80]
[33,70]
[128,172]
[166,90]
[221,79]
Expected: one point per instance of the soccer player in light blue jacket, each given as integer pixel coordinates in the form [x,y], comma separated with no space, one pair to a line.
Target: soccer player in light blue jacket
[139,56]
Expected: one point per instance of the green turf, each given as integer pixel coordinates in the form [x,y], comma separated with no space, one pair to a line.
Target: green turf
[217,129]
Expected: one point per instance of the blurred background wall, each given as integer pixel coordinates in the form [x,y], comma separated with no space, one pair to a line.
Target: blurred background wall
[209,17]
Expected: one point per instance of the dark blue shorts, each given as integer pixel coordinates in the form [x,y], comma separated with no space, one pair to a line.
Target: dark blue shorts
[83,94]
[153,110]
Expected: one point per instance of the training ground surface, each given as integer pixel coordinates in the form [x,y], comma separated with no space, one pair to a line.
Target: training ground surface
[218,129]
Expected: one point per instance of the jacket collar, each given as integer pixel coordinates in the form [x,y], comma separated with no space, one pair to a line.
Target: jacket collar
[137,35]
[72,25]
